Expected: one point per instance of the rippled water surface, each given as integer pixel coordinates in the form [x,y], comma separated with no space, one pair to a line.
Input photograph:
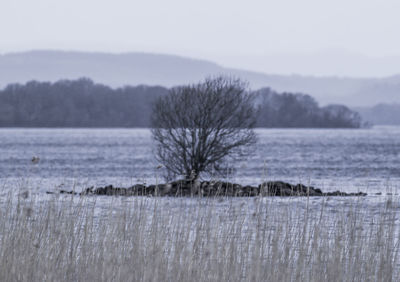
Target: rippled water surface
[349,160]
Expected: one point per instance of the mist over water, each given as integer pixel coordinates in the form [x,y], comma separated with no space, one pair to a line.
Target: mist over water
[347,160]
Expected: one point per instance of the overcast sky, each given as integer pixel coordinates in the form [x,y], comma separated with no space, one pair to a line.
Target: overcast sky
[275,36]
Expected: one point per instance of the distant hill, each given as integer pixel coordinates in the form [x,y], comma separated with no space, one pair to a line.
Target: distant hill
[382,114]
[82,103]
[118,70]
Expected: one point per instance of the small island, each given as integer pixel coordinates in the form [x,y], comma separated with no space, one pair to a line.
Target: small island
[185,188]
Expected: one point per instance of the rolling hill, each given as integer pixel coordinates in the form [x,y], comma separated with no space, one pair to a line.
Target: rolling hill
[118,70]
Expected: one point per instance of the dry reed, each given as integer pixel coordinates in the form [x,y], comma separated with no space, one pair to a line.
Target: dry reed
[164,239]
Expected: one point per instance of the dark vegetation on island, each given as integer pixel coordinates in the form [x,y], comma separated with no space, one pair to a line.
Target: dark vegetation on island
[82,103]
[185,188]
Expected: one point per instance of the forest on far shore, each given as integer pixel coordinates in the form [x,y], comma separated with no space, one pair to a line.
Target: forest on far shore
[83,103]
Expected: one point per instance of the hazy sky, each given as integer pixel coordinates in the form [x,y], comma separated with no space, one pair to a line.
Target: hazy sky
[319,36]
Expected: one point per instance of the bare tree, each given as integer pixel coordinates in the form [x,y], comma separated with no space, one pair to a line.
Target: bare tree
[196,126]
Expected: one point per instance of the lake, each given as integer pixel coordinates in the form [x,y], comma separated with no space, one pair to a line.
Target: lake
[331,159]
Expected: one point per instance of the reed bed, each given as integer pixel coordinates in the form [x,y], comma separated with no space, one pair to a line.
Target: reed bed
[67,238]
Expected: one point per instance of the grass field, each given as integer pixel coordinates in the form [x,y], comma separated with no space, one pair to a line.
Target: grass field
[223,239]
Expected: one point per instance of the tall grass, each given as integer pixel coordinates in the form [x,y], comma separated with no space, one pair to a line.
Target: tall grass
[164,239]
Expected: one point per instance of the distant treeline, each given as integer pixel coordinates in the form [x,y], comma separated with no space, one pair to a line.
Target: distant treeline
[76,103]
[82,103]
[300,110]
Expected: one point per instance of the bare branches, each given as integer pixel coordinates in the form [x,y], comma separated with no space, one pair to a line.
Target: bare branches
[197,126]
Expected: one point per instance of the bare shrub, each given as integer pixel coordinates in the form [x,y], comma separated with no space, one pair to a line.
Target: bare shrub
[196,126]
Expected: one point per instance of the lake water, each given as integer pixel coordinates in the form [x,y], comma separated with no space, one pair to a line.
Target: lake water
[348,160]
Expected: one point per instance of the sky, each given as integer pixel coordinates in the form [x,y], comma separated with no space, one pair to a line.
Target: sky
[318,37]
